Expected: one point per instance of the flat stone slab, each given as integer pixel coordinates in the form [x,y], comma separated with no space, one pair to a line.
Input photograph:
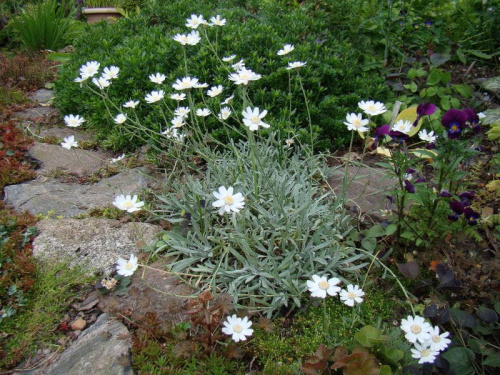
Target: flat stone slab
[42,96]
[92,243]
[41,196]
[75,161]
[36,112]
[104,349]
[61,132]
[368,190]
[157,292]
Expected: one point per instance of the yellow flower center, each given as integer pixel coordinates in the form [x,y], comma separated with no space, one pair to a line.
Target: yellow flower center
[128,266]
[372,108]
[425,352]
[351,295]
[454,128]
[237,328]
[255,120]
[244,76]
[436,338]
[228,199]
[128,204]
[186,84]
[416,329]
[323,285]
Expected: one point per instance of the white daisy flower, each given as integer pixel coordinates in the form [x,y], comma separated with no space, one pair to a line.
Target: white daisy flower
[214,91]
[371,108]
[131,104]
[481,115]
[355,122]
[416,329]
[115,160]
[320,286]
[239,65]
[228,58]
[178,97]
[174,133]
[127,267]
[424,354]
[203,112]
[427,137]
[185,83]
[154,96]
[195,21]
[73,121]
[182,111]
[120,118]
[228,99]
[80,79]
[438,342]
[225,112]
[89,69]
[200,85]
[244,76]
[296,65]
[192,39]
[289,142]
[101,82]
[128,203]
[403,126]
[287,48]
[69,142]
[157,78]
[253,118]
[238,328]
[217,21]
[227,201]
[178,122]
[111,72]
[352,295]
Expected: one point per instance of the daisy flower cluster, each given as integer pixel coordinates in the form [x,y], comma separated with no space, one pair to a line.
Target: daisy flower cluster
[321,286]
[356,122]
[426,339]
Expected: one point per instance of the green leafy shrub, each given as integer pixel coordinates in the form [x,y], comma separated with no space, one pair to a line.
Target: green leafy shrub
[143,45]
[288,230]
[43,26]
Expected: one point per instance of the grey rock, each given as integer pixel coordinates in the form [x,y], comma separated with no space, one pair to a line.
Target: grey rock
[60,132]
[42,96]
[36,112]
[367,191]
[152,290]
[75,161]
[92,243]
[41,196]
[103,349]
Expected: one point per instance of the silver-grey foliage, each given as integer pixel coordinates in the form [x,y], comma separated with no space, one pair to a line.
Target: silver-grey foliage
[262,255]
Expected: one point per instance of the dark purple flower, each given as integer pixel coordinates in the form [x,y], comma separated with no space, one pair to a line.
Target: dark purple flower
[473,120]
[398,136]
[454,120]
[471,216]
[428,23]
[425,109]
[409,187]
[420,179]
[430,146]
[445,194]
[379,132]
[466,198]
[453,217]
[457,207]
[410,170]
[390,197]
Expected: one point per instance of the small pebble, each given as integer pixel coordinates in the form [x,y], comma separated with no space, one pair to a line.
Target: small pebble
[78,324]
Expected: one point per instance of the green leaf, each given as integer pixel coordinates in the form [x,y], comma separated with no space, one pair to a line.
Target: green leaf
[463,90]
[369,336]
[461,56]
[412,87]
[492,84]
[479,54]
[492,360]
[434,77]
[431,91]
[445,103]
[385,370]
[390,229]
[438,59]
[59,57]
[461,360]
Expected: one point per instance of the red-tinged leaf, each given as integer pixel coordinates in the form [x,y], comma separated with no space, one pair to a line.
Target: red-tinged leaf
[411,270]
[323,353]
[314,368]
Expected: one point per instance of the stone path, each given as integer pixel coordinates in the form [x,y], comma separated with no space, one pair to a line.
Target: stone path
[92,243]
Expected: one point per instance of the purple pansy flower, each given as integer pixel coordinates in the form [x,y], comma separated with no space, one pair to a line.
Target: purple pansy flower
[471,216]
[428,23]
[379,132]
[473,120]
[454,120]
[466,198]
[409,187]
[445,194]
[424,109]
[457,208]
[398,136]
